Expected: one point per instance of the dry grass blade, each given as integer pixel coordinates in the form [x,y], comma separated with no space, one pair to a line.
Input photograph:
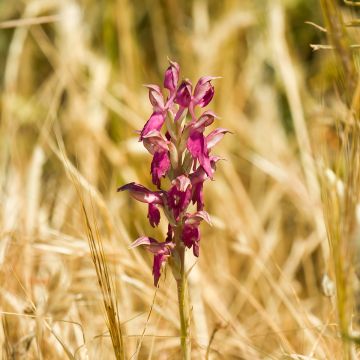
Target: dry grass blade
[104,276]
[106,283]
[29,21]
[337,33]
[341,203]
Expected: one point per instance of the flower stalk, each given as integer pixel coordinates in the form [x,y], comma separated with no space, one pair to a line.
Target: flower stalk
[184,308]
[183,298]
[182,153]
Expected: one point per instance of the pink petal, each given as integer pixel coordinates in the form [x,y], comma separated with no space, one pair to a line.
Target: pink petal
[155,122]
[198,176]
[169,234]
[196,249]
[182,182]
[154,141]
[191,237]
[153,215]
[141,193]
[197,147]
[198,196]
[153,245]
[156,97]
[206,119]
[183,95]
[172,76]
[143,240]
[204,91]
[159,259]
[178,200]
[215,136]
[196,218]
[160,165]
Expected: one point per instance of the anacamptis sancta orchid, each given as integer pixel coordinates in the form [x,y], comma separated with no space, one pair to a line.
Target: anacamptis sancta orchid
[182,153]
[175,137]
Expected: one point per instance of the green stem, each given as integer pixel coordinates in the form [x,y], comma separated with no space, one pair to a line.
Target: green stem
[183,298]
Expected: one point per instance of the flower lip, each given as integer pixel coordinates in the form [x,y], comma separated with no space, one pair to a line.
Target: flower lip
[197,146]
[142,194]
[160,165]
[153,215]
[155,122]
[191,238]
[161,251]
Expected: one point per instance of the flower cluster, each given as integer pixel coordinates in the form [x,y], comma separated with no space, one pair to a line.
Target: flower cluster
[182,153]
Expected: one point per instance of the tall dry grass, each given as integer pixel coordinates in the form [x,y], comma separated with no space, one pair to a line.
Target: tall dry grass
[267,284]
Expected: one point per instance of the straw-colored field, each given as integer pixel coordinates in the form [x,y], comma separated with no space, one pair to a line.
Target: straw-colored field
[276,274]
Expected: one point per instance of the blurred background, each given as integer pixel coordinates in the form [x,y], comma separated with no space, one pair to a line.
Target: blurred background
[71,75]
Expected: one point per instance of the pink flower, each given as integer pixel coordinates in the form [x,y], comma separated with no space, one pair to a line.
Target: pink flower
[191,238]
[156,98]
[182,153]
[206,119]
[160,250]
[153,215]
[198,148]
[215,136]
[155,122]
[191,232]
[204,91]
[142,194]
[172,76]
[179,195]
[160,165]
[154,141]
[197,179]
[183,95]
[169,234]
[198,196]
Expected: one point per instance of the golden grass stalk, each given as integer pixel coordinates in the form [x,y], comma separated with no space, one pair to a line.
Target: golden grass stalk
[337,35]
[340,203]
[105,281]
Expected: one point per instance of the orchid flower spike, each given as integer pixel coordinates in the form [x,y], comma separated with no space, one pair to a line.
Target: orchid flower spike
[176,139]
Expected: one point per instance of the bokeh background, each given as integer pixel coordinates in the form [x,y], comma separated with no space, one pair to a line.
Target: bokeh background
[71,75]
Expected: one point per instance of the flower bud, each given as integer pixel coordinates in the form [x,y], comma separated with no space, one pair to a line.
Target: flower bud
[183,95]
[156,98]
[172,76]
[204,91]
